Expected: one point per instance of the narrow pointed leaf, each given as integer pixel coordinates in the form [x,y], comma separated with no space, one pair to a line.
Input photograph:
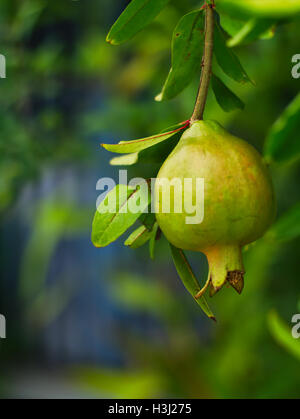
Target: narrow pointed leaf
[283,140]
[138,145]
[225,97]
[114,215]
[287,227]
[138,237]
[189,280]
[137,15]
[251,31]
[226,58]
[187,49]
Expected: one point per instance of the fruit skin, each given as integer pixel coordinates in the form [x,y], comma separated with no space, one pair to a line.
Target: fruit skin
[239,202]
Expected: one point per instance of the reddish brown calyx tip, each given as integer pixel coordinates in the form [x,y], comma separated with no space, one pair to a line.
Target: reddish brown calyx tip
[236,280]
[213,290]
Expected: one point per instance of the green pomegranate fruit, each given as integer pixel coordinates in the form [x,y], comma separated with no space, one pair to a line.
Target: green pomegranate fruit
[239,203]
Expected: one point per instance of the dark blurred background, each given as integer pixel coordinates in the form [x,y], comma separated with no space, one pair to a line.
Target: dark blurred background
[87,322]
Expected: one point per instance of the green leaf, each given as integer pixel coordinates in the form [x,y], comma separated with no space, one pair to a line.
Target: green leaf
[226,58]
[188,278]
[261,8]
[283,140]
[187,48]
[287,227]
[282,333]
[138,237]
[252,30]
[153,240]
[137,15]
[225,97]
[115,215]
[126,160]
[138,145]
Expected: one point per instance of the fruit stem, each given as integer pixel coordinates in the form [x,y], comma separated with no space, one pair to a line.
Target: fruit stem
[206,64]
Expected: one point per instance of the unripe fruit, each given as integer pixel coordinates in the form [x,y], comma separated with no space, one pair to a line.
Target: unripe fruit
[239,203]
